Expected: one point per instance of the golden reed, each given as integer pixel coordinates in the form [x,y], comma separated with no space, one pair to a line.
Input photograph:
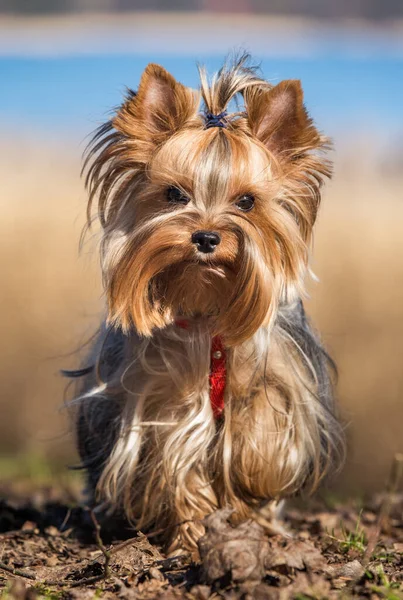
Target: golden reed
[207,217]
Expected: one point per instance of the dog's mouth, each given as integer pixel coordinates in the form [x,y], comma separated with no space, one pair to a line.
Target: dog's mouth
[195,288]
[219,268]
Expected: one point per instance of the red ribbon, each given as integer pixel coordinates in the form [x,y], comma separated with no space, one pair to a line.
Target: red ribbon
[218,371]
[218,375]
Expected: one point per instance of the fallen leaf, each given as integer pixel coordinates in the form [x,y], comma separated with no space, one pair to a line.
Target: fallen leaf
[30,526]
[295,554]
[351,570]
[238,551]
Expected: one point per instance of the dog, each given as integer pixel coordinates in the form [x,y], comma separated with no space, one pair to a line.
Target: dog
[207,386]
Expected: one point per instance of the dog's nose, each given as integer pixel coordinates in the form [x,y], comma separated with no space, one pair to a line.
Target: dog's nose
[206,241]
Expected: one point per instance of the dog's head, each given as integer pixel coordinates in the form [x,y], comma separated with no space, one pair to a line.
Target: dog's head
[206,214]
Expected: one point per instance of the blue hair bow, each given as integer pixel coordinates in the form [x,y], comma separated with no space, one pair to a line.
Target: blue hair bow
[215,120]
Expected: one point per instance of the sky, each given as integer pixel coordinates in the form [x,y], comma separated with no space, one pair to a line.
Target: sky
[351,81]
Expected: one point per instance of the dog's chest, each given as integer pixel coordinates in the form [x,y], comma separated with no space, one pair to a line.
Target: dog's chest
[190,372]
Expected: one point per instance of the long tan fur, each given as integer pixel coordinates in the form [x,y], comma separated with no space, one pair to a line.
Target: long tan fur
[170,462]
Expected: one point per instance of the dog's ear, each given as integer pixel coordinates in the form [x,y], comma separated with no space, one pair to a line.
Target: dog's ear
[278,118]
[160,107]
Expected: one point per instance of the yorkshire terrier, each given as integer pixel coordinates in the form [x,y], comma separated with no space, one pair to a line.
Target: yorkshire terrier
[208,387]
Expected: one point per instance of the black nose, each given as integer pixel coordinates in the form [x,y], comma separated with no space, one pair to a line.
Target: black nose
[206,241]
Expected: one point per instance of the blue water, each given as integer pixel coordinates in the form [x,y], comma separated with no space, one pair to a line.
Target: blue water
[75,93]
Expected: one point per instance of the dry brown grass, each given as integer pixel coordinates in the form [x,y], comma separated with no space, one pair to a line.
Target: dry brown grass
[50,298]
[51,301]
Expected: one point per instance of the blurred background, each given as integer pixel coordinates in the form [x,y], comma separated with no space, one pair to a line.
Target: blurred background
[65,63]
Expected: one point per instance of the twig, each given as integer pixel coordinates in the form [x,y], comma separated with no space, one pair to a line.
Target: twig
[395,475]
[16,572]
[87,581]
[122,545]
[100,544]
[172,563]
[65,520]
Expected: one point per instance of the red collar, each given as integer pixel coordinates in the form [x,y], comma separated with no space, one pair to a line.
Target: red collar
[218,370]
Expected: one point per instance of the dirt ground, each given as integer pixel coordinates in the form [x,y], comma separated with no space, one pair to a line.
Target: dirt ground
[51,547]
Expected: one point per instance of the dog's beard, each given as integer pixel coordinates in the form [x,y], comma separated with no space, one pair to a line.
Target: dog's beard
[156,278]
[195,289]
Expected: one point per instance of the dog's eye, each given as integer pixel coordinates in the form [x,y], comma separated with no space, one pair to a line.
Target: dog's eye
[176,196]
[245,203]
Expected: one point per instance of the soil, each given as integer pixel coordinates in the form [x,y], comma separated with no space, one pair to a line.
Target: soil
[51,547]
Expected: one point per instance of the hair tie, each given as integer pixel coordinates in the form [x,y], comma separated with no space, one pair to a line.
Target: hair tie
[215,120]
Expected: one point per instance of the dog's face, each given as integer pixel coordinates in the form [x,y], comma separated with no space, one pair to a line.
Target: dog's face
[207,222]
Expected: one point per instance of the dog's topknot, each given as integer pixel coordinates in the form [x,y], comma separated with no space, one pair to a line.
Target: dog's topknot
[235,76]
